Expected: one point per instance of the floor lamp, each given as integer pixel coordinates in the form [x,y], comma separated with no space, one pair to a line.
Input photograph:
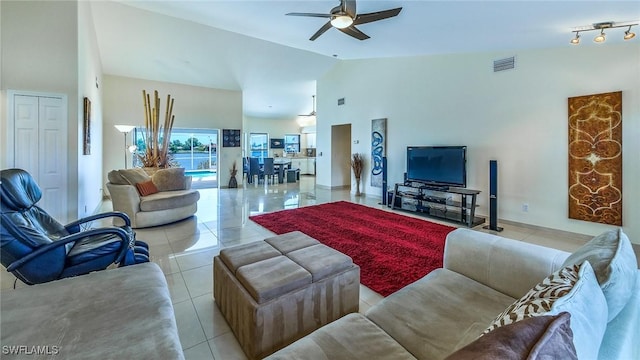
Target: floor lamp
[125,129]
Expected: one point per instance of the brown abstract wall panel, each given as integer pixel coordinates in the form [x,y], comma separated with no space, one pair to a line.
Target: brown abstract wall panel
[595,158]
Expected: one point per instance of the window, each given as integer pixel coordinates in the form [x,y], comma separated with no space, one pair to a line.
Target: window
[192,149]
[259,143]
[292,143]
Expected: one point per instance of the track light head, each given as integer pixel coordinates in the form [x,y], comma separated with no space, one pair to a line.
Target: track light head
[628,35]
[600,38]
[576,40]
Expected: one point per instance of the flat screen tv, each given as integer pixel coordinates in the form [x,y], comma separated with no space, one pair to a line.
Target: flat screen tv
[440,166]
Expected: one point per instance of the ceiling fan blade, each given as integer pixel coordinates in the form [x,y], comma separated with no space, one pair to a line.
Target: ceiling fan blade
[352,31]
[349,7]
[310,15]
[321,31]
[375,16]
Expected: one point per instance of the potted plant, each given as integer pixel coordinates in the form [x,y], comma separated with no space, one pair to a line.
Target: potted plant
[156,135]
[357,164]
[233,182]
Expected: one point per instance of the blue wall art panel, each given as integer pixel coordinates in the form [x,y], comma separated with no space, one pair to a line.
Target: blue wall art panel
[378,150]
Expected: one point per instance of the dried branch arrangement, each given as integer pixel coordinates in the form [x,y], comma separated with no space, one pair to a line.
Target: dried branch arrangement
[234,169]
[156,135]
[357,164]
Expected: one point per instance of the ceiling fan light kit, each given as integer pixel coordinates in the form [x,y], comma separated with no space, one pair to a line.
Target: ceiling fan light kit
[602,36]
[344,18]
[342,21]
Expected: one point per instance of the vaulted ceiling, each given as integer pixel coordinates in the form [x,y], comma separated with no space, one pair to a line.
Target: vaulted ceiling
[253,47]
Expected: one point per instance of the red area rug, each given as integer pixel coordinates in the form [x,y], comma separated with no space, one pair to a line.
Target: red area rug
[392,250]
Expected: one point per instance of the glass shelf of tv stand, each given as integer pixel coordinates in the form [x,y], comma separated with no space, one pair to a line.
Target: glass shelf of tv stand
[437,201]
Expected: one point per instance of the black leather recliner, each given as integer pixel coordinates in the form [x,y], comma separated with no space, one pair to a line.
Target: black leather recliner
[36,248]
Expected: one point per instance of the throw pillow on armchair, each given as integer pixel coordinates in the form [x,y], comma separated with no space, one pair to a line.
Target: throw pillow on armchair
[170,179]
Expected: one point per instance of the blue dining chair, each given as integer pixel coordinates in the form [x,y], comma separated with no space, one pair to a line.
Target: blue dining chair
[255,169]
[268,169]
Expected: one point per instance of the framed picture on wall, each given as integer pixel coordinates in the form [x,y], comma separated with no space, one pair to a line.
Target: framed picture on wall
[230,138]
[86,128]
[277,143]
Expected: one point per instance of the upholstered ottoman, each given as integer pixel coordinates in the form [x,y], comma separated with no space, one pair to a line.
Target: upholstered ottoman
[276,291]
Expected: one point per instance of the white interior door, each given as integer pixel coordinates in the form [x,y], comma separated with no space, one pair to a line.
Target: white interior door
[38,137]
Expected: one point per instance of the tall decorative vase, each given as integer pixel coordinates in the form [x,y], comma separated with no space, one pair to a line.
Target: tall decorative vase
[358,187]
[233,183]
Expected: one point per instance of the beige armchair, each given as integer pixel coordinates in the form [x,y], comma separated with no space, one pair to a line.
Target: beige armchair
[162,198]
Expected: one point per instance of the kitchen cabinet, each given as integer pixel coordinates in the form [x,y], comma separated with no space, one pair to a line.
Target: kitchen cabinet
[306,165]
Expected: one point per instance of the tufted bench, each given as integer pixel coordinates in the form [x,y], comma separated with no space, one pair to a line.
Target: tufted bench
[276,291]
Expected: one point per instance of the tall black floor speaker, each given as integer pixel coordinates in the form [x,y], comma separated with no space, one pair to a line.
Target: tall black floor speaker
[493,196]
[384,180]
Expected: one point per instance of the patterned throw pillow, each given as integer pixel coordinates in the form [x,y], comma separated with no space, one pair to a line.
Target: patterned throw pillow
[573,289]
[539,299]
[146,188]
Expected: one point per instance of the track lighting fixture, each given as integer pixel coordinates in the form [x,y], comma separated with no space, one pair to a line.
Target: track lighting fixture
[628,35]
[602,37]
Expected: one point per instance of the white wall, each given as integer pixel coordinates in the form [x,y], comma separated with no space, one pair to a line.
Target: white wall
[518,117]
[90,183]
[40,53]
[194,107]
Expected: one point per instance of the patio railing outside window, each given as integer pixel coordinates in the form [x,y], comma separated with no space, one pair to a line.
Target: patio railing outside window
[192,149]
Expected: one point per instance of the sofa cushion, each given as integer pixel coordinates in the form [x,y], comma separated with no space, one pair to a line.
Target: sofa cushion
[573,289]
[291,241]
[146,188]
[169,179]
[116,178]
[539,337]
[321,261]
[271,278]
[165,200]
[439,313]
[113,314]
[614,262]
[622,336]
[350,337]
[130,176]
[236,256]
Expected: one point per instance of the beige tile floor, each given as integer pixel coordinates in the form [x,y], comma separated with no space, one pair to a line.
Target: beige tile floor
[185,252]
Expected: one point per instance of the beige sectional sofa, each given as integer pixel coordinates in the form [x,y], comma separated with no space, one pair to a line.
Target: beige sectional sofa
[174,201]
[445,313]
[123,313]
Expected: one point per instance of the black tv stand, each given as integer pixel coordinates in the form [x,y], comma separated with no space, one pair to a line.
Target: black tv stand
[428,186]
[444,202]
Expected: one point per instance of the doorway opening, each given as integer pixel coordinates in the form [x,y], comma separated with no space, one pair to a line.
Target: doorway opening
[341,156]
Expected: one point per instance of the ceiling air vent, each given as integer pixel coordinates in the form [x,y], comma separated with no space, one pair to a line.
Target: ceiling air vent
[504,64]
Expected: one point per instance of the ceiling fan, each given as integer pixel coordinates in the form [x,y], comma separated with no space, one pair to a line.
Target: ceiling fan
[313,112]
[344,18]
